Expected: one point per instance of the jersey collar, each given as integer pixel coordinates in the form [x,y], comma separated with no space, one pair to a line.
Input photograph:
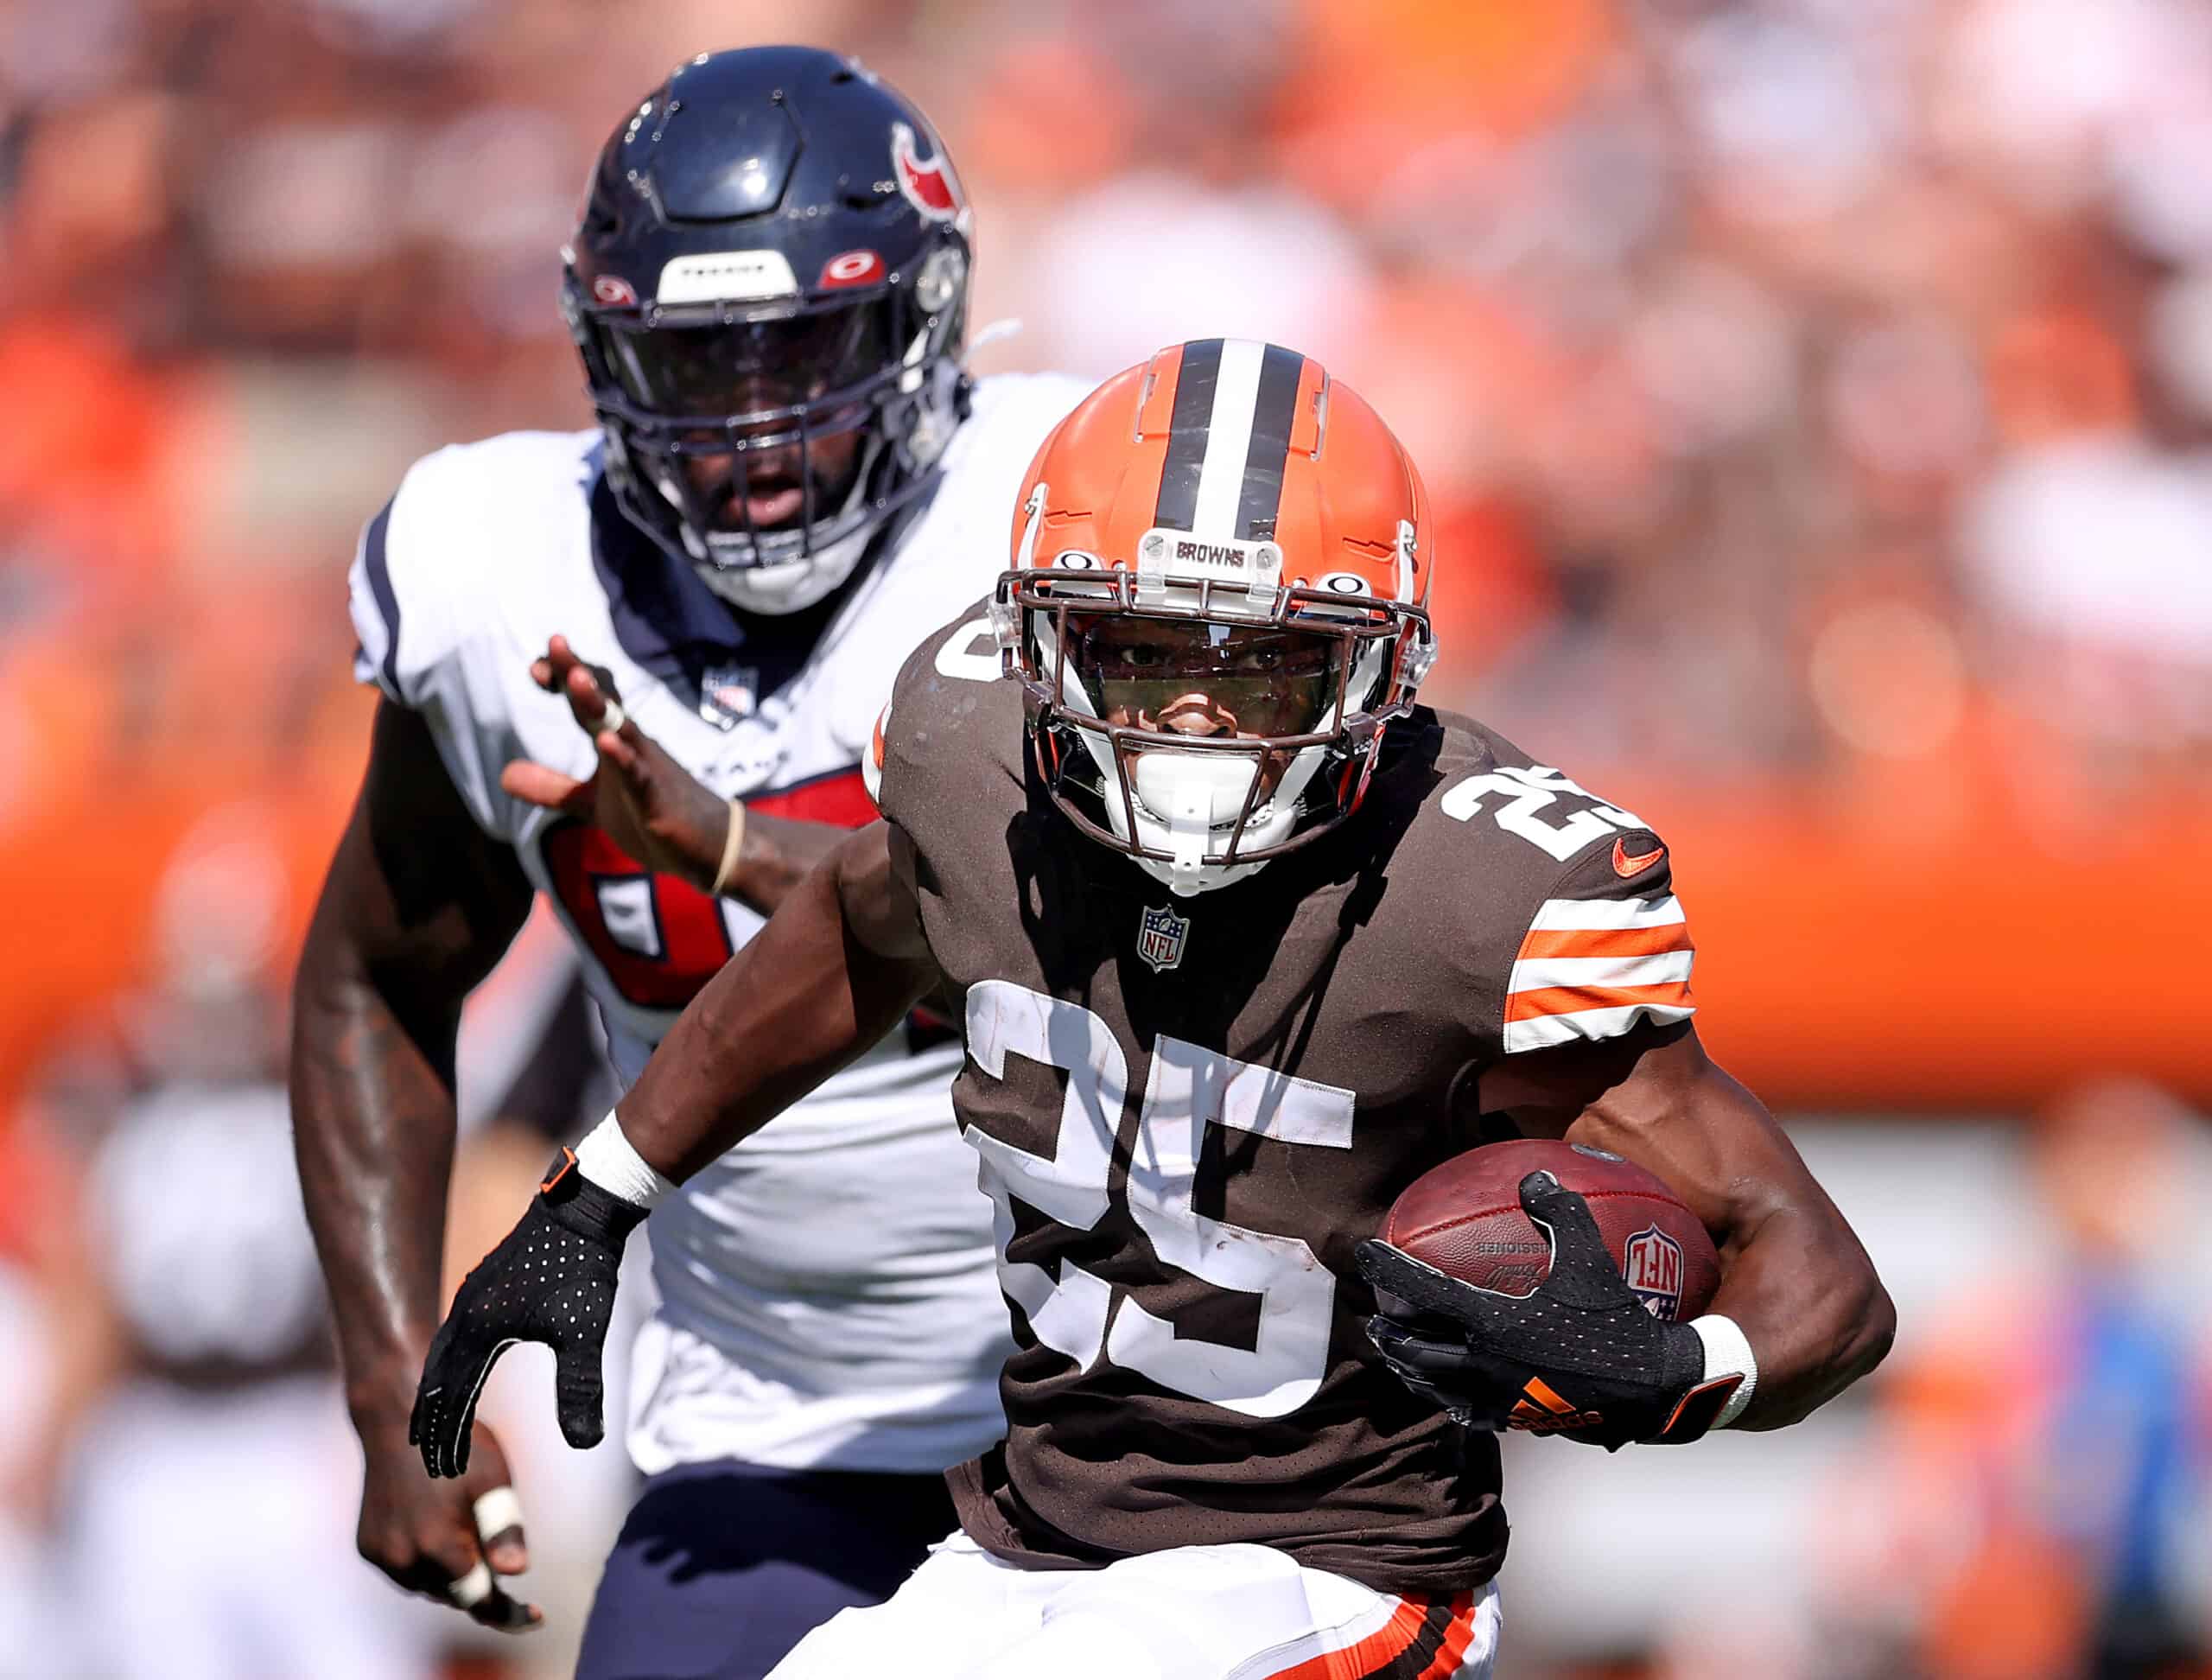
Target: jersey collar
[670,624]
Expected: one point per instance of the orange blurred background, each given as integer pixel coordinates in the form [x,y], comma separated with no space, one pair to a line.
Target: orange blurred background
[1818,395]
[1743,346]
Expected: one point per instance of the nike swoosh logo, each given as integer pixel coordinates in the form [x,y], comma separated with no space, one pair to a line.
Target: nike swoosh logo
[1625,866]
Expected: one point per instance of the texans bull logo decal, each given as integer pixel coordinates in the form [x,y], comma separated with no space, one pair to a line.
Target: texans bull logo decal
[929,186]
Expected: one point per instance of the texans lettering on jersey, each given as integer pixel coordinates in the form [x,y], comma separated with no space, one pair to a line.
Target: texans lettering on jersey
[827,1290]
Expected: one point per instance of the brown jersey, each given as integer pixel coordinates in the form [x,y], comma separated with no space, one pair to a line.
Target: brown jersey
[1188,1110]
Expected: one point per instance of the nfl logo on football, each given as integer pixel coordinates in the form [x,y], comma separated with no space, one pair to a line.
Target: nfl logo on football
[1160,938]
[1652,1263]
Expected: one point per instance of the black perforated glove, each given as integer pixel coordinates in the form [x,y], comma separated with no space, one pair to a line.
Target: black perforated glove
[550,1280]
[1578,1356]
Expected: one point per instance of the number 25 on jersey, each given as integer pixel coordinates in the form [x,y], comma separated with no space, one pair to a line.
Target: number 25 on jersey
[1187,1088]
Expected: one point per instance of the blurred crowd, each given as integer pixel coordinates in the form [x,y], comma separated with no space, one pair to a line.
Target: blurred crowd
[1815,391]
[1842,366]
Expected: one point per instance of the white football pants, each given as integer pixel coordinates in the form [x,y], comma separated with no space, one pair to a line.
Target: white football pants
[1197,1612]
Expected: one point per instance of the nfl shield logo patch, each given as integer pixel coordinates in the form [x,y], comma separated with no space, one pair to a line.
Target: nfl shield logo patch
[1160,934]
[1652,1263]
[729,695]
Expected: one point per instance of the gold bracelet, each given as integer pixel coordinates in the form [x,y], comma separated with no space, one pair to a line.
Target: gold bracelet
[732,844]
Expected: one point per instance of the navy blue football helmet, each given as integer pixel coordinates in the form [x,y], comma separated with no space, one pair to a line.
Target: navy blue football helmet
[769,289]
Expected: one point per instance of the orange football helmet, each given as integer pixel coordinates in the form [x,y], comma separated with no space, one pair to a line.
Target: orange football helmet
[1217,603]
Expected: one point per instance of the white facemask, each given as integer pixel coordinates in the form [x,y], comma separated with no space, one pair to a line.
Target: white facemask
[785,586]
[792,586]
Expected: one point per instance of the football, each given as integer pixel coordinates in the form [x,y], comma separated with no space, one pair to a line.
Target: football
[1465,1219]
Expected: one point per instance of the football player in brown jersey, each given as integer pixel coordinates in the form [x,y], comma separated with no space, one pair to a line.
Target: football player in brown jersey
[1244,939]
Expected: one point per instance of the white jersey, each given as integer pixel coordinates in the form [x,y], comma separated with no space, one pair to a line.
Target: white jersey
[828,1294]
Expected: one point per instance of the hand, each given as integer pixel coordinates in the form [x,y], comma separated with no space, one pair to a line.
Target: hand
[1577,1355]
[650,805]
[449,1541]
[552,1280]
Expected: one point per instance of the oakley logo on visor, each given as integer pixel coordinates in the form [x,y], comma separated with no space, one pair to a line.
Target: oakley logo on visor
[851,268]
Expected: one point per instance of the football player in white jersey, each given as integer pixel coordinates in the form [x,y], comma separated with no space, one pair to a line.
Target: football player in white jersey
[793,477]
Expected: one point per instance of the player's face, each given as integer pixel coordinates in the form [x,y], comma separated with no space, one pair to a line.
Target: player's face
[763,367]
[766,489]
[1204,680]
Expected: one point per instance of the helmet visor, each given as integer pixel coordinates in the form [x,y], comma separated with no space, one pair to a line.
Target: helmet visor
[716,372]
[1200,679]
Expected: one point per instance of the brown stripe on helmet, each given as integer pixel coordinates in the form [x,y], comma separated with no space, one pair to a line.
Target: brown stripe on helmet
[1273,416]
[1177,504]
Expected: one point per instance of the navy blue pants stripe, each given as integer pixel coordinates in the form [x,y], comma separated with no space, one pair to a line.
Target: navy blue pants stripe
[722,1568]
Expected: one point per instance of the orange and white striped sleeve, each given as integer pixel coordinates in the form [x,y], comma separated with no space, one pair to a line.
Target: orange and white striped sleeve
[1609,951]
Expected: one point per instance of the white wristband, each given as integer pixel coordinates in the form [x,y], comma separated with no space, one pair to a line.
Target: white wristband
[606,1158]
[1727,1352]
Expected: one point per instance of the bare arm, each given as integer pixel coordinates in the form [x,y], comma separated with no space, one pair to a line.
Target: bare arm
[1794,1275]
[838,965]
[775,855]
[418,906]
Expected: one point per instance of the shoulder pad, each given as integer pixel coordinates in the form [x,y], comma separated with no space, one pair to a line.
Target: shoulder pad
[952,729]
[1578,911]
[429,558]
[1010,416]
